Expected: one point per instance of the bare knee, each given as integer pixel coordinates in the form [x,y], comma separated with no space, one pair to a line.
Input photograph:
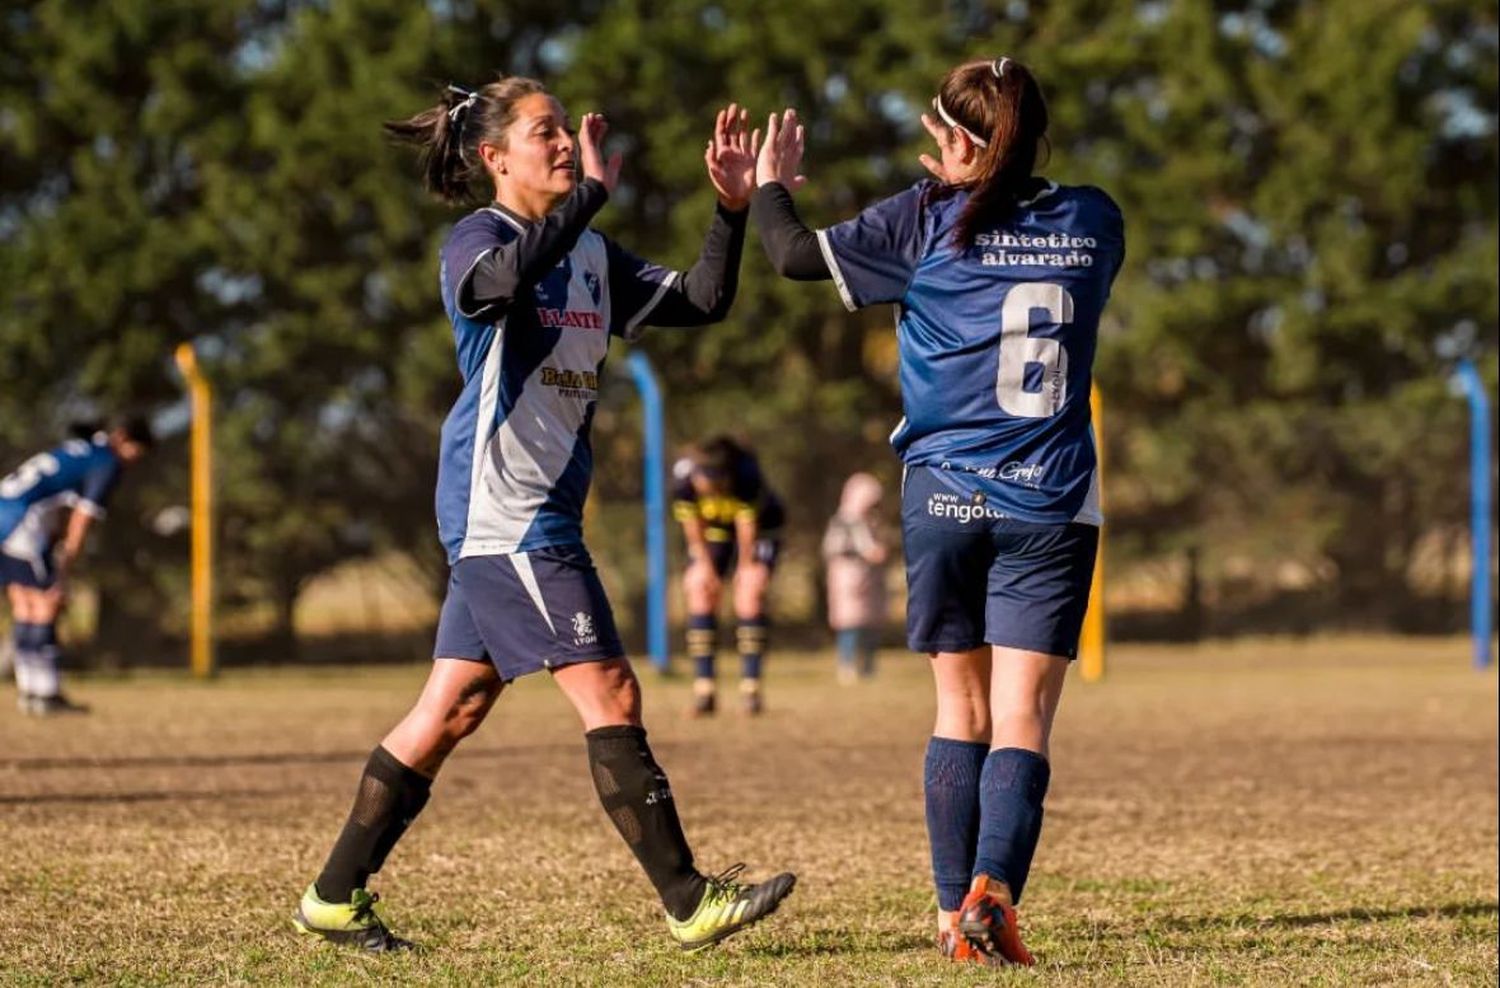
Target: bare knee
[963,695]
[605,694]
[964,714]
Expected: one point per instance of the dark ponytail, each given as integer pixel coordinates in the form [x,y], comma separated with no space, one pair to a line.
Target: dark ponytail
[449,134]
[1001,102]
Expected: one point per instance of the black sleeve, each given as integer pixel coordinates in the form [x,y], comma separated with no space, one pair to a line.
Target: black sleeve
[791,246]
[500,274]
[704,294]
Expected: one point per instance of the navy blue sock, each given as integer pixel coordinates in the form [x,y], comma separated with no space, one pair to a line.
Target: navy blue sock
[951,781]
[702,639]
[751,637]
[1011,789]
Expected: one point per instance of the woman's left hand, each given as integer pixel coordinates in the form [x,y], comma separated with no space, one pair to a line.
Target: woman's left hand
[730,157]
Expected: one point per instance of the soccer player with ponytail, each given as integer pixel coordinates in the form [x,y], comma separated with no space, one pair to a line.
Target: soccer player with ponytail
[1000,278]
[534,295]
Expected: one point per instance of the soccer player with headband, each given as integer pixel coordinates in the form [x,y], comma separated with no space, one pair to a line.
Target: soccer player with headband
[1000,278]
[534,296]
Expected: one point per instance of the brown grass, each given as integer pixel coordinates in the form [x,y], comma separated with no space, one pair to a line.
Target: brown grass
[1322,812]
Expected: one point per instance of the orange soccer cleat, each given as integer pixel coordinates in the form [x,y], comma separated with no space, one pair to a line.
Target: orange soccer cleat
[987,919]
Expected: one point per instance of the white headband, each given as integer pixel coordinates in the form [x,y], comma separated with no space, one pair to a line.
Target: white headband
[998,66]
[942,111]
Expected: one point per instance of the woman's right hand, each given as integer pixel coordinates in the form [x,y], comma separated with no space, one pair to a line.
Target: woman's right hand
[781,155]
[591,131]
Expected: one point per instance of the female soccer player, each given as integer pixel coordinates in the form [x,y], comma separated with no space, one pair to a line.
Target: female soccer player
[1000,277]
[731,520]
[46,508]
[534,296]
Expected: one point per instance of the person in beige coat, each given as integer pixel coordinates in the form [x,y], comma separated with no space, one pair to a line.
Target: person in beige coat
[855,552]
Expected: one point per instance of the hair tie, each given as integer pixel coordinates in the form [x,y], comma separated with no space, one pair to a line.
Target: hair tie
[998,66]
[469,97]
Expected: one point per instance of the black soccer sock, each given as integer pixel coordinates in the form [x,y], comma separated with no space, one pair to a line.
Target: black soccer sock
[638,799]
[1012,786]
[389,798]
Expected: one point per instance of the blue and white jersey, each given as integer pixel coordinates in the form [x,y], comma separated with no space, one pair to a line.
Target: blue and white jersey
[37,497]
[996,341]
[515,463]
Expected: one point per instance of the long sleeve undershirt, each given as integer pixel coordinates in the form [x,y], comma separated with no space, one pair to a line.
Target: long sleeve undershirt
[792,247]
[702,295]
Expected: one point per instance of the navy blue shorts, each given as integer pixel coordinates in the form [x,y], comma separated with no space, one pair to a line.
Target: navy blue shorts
[527,611]
[724,555]
[23,572]
[975,577]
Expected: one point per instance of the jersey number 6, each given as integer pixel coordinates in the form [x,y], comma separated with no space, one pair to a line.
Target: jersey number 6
[1018,348]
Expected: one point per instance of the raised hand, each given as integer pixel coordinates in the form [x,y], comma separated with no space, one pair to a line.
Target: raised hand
[591,131]
[730,157]
[781,155]
[935,165]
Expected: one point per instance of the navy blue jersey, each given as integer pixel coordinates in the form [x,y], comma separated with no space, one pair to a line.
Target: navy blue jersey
[997,340]
[36,498]
[515,462]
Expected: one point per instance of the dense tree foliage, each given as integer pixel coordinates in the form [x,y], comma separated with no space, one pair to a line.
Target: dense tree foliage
[1310,193]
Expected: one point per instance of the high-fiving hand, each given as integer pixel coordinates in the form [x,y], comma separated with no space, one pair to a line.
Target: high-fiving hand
[591,131]
[730,157]
[781,155]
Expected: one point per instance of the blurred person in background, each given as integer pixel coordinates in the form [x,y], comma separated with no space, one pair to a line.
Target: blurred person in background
[535,295]
[731,521]
[855,553]
[1000,277]
[47,506]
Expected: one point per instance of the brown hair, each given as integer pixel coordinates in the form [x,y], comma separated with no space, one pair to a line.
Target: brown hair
[1001,103]
[450,133]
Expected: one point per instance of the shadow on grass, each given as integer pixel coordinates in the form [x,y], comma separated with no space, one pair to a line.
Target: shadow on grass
[841,942]
[1451,910]
[266,758]
[152,796]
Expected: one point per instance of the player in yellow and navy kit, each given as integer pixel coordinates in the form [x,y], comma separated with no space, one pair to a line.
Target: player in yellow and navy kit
[731,521]
[999,278]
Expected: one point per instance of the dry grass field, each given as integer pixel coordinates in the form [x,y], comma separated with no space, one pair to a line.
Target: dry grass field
[1320,812]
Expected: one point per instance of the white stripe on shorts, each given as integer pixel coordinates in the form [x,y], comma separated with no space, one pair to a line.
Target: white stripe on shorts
[522,563]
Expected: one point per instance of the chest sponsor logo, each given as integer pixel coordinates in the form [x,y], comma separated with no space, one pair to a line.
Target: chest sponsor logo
[574,384]
[569,318]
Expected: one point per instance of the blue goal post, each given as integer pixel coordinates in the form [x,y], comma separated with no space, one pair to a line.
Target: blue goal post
[654,469]
[1480,522]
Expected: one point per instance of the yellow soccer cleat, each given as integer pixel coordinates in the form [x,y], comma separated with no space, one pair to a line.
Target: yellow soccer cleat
[354,923]
[729,907]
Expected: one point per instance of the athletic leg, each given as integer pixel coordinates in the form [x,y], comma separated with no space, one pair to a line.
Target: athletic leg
[638,798]
[702,598]
[955,757]
[397,778]
[631,785]
[752,579]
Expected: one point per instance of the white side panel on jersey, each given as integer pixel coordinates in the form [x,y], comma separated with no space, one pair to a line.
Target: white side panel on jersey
[833,268]
[39,527]
[489,397]
[519,468]
[1091,512]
